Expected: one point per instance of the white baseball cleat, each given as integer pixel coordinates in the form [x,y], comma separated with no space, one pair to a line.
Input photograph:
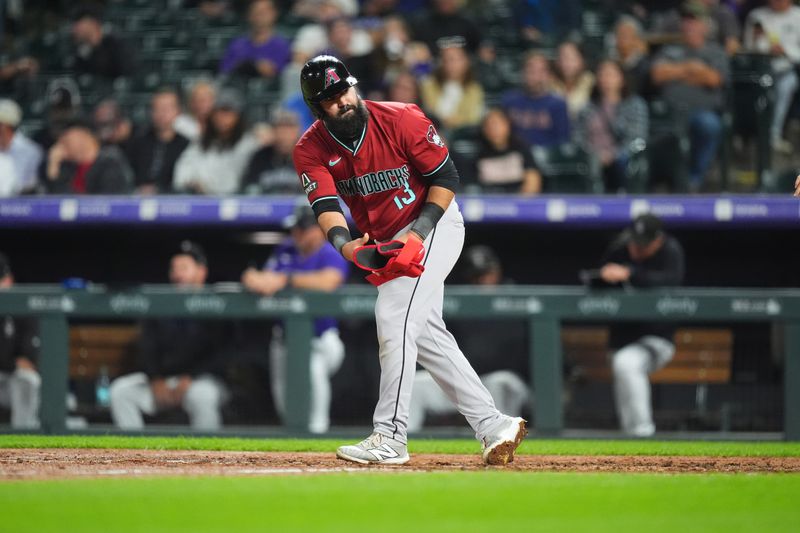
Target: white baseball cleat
[499,449]
[375,449]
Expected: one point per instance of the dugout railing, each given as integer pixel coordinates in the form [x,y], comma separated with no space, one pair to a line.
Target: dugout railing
[544,308]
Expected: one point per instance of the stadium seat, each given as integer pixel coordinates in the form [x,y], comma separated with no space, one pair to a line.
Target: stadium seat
[638,168]
[754,99]
[703,357]
[668,148]
[567,168]
[463,145]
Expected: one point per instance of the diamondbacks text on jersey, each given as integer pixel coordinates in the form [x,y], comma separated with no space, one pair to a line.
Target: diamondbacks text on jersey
[383,177]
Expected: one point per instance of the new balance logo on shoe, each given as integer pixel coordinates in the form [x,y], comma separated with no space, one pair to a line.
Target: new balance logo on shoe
[384,451]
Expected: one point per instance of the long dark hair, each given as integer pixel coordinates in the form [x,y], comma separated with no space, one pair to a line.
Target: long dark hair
[557,67]
[469,75]
[211,136]
[625,90]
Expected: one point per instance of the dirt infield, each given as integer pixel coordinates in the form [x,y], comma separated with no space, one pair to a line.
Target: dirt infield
[76,463]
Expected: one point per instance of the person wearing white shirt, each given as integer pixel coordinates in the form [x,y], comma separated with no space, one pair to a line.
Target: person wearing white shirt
[215,163]
[24,154]
[775,30]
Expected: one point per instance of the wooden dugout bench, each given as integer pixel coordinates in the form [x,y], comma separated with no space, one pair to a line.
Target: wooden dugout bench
[702,357]
[93,346]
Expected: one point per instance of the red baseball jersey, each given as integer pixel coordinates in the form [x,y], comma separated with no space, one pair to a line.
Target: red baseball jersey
[383,178]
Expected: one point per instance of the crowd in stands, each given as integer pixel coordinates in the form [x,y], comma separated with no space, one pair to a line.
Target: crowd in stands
[202,97]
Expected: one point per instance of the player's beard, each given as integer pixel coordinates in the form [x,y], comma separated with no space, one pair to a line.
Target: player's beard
[348,127]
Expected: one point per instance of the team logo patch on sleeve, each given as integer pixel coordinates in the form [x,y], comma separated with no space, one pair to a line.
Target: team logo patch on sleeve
[309,185]
[433,137]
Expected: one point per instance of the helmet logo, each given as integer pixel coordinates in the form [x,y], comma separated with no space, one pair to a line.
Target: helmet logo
[331,77]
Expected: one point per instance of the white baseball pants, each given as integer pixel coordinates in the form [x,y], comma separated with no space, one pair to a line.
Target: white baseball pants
[408,314]
[19,390]
[631,364]
[327,354]
[131,397]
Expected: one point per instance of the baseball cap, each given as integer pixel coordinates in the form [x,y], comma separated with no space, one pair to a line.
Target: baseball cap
[5,266]
[302,217]
[10,113]
[193,250]
[645,229]
[230,99]
[479,260]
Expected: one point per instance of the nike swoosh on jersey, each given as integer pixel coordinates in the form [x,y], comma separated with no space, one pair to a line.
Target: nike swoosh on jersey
[333,162]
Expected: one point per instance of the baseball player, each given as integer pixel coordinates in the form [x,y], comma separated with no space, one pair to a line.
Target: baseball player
[304,261]
[643,255]
[392,169]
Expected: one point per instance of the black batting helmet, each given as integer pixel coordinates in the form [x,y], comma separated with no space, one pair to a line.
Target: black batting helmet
[321,78]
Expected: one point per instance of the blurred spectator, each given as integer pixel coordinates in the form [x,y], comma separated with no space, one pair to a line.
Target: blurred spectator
[505,163]
[612,122]
[451,93]
[99,53]
[775,30]
[215,164]
[491,76]
[25,67]
[539,116]
[691,77]
[573,81]
[202,95]
[544,21]
[271,170]
[398,53]
[651,11]
[153,153]
[339,33]
[404,88]
[211,9]
[307,9]
[63,106]
[113,128]
[313,37]
[305,261]
[25,155]
[381,8]
[630,49]
[642,256]
[179,360]
[78,164]
[19,349]
[509,392]
[263,53]
[723,26]
[7,176]
[442,23]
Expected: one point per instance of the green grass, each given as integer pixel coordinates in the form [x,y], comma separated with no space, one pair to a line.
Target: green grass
[530,446]
[407,502]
